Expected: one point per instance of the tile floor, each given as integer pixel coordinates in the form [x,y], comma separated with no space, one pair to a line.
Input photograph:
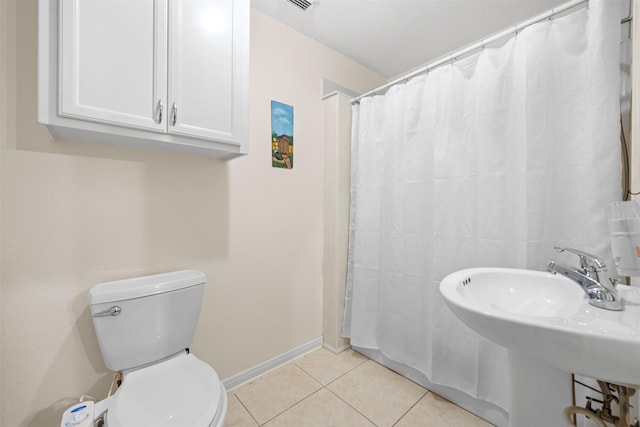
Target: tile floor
[323,389]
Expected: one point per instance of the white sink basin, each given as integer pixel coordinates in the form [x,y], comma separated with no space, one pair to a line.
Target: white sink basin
[548,318]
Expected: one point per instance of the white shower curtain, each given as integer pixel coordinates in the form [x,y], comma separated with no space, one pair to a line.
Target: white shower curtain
[489,161]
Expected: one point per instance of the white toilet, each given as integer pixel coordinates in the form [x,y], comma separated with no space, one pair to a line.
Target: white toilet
[145,326]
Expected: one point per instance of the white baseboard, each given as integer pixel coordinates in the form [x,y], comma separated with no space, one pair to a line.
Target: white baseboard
[336,350]
[261,369]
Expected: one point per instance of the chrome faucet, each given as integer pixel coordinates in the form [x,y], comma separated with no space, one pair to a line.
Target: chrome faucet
[602,295]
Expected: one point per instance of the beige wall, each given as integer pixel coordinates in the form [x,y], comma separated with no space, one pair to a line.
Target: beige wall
[337,175]
[74,214]
[4,86]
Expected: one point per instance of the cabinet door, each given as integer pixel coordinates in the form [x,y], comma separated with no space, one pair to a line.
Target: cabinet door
[208,69]
[113,62]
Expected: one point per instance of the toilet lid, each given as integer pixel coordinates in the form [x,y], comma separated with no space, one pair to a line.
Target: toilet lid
[182,391]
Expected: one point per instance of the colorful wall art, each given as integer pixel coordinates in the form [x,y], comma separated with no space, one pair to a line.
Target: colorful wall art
[281,135]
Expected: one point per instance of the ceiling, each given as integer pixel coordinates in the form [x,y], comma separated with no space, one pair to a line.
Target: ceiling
[392,37]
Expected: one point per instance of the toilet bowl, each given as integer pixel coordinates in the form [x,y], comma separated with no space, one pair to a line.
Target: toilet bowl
[181,391]
[145,326]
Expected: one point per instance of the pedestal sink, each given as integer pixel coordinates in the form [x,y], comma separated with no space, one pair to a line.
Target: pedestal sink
[551,331]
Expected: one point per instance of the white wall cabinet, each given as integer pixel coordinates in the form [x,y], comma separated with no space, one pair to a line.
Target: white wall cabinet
[170,74]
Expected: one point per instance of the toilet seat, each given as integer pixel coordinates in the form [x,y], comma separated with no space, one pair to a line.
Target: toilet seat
[181,391]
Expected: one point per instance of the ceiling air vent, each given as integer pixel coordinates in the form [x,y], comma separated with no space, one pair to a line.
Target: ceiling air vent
[301,4]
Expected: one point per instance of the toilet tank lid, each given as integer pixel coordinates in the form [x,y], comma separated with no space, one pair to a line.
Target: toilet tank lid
[138,287]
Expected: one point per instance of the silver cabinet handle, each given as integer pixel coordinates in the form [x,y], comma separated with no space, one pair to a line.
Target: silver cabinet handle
[174,114]
[113,311]
[159,108]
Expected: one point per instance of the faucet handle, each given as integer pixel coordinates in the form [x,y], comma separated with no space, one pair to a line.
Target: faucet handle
[586,260]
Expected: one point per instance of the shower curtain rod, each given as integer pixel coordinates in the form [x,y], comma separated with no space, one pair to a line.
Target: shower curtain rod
[477,46]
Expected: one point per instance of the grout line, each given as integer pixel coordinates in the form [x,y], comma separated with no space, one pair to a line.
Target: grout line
[326,387]
[246,409]
[350,370]
[301,400]
[322,386]
[290,407]
[412,406]
[305,371]
[366,359]
[351,406]
[426,391]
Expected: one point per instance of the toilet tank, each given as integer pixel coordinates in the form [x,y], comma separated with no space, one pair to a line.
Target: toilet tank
[144,319]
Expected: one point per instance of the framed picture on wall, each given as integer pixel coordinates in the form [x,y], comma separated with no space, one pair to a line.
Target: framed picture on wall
[281,135]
